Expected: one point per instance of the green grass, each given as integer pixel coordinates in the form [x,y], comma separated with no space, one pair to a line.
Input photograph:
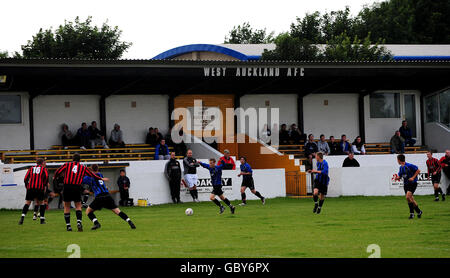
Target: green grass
[284,227]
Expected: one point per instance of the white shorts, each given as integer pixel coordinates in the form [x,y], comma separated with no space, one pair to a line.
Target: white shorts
[191,180]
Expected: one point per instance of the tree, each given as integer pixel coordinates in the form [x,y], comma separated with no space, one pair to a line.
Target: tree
[77,40]
[292,48]
[3,54]
[245,34]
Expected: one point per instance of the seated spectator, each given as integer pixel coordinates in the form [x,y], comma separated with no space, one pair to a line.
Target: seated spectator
[83,136]
[397,143]
[123,182]
[344,146]
[151,137]
[311,148]
[97,137]
[162,151]
[159,136]
[296,135]
[116,138]
[67,138]
[406,133]
[350,161]
[322,145]
[358,146]
[227,160]
[334,146]
[284,135]
[265,134]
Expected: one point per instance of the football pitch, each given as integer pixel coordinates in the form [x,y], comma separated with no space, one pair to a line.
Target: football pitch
[284,227]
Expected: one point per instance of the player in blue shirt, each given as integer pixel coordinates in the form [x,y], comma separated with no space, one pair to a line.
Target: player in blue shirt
[247,181]
[102,200]
[216,179]
[409,172]
[320,182]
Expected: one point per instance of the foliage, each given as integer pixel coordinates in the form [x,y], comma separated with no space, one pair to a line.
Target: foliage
[245,34]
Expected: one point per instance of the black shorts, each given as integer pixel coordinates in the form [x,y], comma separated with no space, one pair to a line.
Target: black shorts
[410,187]
[217,190]
[33,193]
[436,178]
[105,201]
[323,188]
[248,182]
[72,193]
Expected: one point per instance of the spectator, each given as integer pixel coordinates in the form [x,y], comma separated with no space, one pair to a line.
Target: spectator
[322,145]
[162,151]
[151,137]
[67,138]
[159,136]
[124,186]
[358,146]
[83,136]
[310,148]
[445,166]
[284,135]
[406,133]
[296,135]
[344,146]
[350,161]
[227,161]
[397,143]
[334,146]
[265,134]
[116,138]
[97,137]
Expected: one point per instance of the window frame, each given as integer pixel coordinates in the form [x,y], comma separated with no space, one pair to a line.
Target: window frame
[21,110]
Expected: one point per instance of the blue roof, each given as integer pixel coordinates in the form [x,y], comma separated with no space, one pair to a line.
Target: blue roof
[177,51]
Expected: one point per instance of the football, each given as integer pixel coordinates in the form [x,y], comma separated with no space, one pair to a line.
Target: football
[189,211]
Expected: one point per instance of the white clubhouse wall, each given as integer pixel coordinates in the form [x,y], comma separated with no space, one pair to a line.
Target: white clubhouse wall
[50,113]
[339,117]
[16,136]
[150,111]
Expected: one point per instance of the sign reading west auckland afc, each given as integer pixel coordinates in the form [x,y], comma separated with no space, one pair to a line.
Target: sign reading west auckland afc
[254,71]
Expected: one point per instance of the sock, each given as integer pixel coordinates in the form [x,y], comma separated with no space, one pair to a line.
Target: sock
[79,215]
[244,198]
[67,218]
[321,203]
[192,194]
[36,208]
[93,218]
[227,202]
[315,198]
[258,195]
[215,201]
[440,191]
[124,216]
[42,210]
[417,209]
[25,210]
[195,193]
[411,207]
[85,198]
[436,193]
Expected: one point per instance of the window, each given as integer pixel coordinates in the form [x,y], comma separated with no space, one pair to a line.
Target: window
[431,109]
[444,103]
[10,109]
[385,105]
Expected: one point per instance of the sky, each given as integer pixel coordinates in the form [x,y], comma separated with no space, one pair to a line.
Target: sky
[156,26]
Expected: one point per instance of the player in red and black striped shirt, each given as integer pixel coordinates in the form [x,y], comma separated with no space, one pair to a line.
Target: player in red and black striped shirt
[74,172]
[36,181]
[434,173]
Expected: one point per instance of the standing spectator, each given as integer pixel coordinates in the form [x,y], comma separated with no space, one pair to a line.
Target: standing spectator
[334,146]
[344,146]
[284,135]
[67,138]
[227,160]
[322,145]
[445,166]
[397,143]
[350,161]
[123,182]
[406,133]
[116,138]
[173,174]
[310,148]
[97,137]
[83,136]
[162,151]
[358,146]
